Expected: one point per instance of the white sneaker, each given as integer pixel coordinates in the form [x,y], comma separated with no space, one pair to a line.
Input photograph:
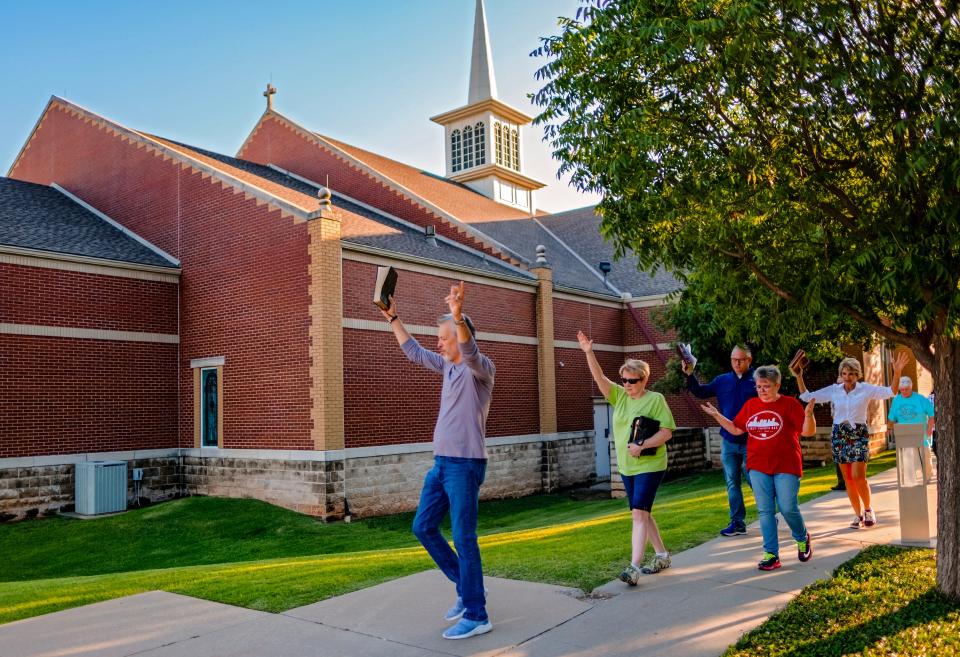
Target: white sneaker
[857,522]
[869,518]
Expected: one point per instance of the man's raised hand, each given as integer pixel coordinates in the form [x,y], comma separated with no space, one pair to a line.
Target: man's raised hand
[585,343]
[710,409]
[390,312]
[454,300]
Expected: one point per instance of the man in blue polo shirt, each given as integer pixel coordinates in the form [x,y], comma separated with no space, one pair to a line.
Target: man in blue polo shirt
[732,390]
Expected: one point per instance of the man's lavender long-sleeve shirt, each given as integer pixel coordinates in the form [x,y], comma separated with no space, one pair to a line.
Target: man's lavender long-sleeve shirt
[464,400]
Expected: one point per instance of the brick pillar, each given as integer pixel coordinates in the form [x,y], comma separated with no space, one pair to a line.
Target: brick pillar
[326,334]
[546,369]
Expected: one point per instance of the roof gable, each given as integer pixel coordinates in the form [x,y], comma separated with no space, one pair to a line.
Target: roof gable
[41,218]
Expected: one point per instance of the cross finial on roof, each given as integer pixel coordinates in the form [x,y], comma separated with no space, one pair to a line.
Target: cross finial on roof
[268,94]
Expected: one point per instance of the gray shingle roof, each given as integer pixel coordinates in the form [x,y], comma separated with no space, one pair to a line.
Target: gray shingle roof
[39,217]
[580,229]
[524,235]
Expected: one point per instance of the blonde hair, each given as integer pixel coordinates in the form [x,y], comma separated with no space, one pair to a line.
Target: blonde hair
[637,366]
[851,364]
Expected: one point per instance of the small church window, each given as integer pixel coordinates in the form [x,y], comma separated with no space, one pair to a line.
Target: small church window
[480,144]
[498,141]
[515,148]
[209,408]
[468,147]
[456,155]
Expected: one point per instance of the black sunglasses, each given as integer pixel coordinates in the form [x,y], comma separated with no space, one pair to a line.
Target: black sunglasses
[634,381]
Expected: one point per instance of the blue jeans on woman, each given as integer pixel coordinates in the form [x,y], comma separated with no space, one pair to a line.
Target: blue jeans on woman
[771,492]
[453,484]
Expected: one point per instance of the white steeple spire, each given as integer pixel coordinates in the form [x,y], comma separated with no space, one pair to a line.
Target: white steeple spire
[483,84]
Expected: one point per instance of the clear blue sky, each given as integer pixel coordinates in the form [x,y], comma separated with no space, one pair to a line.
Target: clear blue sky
[368,72]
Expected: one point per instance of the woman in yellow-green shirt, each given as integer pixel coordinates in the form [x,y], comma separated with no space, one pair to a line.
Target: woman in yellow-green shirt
[641,475]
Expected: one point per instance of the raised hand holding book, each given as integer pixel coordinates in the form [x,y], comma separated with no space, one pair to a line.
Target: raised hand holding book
[799,362]
[385,287]
[686,355]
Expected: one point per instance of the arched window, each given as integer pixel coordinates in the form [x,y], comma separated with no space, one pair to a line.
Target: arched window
[468,147]
[498,142]
[456,156]
[480,144]
[515,148]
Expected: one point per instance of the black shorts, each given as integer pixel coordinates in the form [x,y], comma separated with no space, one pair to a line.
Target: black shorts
[642,488]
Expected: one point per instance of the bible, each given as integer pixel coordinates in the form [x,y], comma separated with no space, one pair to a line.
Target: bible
[641,428]
[385,287]
[799,361]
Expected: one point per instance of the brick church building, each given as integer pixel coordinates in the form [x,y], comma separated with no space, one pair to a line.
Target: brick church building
[208,318]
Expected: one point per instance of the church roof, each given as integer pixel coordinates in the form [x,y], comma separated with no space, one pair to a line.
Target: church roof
[360,225]
[42,218]
[454,198]
[580,230]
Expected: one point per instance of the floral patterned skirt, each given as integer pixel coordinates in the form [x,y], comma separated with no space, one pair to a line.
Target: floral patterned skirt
[851,443]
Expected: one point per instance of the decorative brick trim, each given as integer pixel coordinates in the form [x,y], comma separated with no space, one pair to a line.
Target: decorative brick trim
[374,256]
[546,353]
[326,334]
[570,344]
[419,329]
[158,149]
[87,334]
[11,255]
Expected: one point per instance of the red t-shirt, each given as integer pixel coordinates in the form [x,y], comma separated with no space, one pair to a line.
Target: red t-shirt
[773,430]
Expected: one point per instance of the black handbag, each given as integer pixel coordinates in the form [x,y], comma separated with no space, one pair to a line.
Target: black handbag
[641,428]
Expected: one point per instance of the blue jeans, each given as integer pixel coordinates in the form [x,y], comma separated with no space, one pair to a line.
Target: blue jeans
[734,458]
[771,492]
[453,484]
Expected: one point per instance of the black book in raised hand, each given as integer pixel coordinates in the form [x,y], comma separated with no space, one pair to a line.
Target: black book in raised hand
[385,287]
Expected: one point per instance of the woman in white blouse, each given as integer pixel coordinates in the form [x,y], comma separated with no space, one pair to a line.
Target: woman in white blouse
[850,439]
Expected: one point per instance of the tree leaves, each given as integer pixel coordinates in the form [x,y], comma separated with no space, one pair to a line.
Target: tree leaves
[798,157]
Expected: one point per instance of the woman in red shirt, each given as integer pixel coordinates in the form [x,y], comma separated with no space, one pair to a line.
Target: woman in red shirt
[773,424]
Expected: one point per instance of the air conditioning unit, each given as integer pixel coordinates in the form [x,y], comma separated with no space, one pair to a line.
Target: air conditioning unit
[101,487]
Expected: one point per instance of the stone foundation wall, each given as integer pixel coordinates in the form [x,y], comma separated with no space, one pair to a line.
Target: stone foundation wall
[313,487]
[47,489]
[379,484]
[373,480]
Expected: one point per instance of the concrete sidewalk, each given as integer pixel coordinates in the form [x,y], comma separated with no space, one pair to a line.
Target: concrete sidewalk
[711,595]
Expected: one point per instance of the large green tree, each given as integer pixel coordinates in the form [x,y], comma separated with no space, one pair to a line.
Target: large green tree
[796,160]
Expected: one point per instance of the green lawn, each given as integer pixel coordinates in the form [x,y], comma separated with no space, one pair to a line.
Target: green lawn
[251,554]
[881,603]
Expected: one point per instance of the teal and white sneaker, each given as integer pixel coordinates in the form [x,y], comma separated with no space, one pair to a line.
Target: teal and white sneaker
[468,628]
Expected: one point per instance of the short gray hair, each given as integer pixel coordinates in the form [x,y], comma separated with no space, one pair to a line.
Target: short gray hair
[443,319]
[744,348]
[636,366]
[767,373]
[851,364]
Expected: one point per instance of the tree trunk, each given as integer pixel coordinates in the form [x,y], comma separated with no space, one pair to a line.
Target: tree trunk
[947,390]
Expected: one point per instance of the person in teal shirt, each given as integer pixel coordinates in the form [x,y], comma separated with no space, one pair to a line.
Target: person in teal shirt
[641,474]
[911,407]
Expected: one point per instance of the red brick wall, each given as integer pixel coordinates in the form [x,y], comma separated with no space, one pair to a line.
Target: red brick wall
[275,143]
[389,400]
[244,286]
[53,297]
[66,395]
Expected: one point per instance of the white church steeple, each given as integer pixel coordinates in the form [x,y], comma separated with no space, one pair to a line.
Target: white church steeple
[483,83]
[482,139]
